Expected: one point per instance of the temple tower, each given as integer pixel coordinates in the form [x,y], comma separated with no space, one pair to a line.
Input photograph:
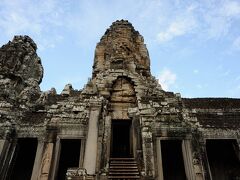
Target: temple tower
[121,75]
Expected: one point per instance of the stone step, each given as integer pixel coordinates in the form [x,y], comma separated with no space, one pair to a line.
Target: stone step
[123,177]
[125,162]
[125,169]
[122,159]
[122,167]
[124,173]
[81,178]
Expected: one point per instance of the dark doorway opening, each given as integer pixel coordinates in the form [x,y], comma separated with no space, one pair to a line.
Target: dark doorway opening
[23,159]
[223,159]
[172,160]
[121,138]
[69,156]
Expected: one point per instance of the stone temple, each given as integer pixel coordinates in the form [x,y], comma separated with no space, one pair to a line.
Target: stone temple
[121,125]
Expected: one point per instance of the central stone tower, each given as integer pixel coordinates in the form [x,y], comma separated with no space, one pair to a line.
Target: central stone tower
[121,75]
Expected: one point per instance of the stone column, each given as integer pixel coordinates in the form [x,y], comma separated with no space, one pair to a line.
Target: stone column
[82,149]
[46,150]
[188,160]
[90,156]
[55,159]
[159,160]
[37,161]
[46,162]
[8,157]
[148,152]
[3,147]
[238,145]
[4,153]
[199,156]
[106,144]
[7,148]
[205,165]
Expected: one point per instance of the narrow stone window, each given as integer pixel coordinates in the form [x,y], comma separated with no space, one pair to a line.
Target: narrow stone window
[223,160]
[172,160]
[23,159]
[69,156]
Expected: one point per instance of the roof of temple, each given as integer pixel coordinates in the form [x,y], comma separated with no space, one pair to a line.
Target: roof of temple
[211,103]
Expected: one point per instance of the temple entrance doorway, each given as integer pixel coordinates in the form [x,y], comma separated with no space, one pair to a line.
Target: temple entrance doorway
[223,158]
[69,156]
[121,140]
[23,159]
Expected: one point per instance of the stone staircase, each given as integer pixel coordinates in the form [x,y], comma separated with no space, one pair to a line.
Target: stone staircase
[123,169]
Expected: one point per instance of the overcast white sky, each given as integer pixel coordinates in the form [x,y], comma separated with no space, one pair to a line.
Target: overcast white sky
[194,46]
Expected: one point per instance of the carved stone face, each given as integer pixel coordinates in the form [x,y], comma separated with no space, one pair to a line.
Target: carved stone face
[21,71]
[122,48]
[19,57]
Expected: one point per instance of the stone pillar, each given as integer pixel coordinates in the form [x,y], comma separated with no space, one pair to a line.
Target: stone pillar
[90,156]
[148,152]
[46,162]
[4,153]
[159,160]
[7,148]
[205,165]
[37,161]
[199,156]
[55,158]
[46,150]
[106,144]
[108,125]
[7,158]
[188,160]
[3,147]
[238,146]
[83,142]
